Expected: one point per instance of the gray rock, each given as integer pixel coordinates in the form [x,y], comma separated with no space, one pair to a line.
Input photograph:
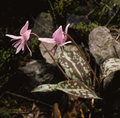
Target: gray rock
[75,20]
[50,46]
[39,72]
[84,10]
[102,45]
[43,25]
[45,53]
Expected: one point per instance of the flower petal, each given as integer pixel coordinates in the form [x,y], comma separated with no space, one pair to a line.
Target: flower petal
[60,27]
[66,30]
[58,35]
[47,40]
[13,36]
[26,35]
[56,31]
[24,28]
[20,46]
[29,49]
[15,44]
[66,43]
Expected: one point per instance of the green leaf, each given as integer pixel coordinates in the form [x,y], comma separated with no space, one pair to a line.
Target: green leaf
[72,87]
[75,66]
[109,66]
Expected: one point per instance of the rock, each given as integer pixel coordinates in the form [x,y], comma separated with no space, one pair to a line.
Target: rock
[74,29]
[84,10]
[50,46]
[102,45]
[106,51]
[39,72]
[45,53]
[75,20]
[43,25]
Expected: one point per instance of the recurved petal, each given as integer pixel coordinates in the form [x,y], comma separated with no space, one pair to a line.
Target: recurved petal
[13,36]
[16,43]
[66,30]
[26,35]
[20,47]
[58,35]
[47,40]
[29,49]
[60,27]
[66,43]
[24,28]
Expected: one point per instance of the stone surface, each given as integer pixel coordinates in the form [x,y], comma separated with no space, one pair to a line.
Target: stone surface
[102,45]
[50,46]
[85,10]
[43,25]
[75,20]
[39,72]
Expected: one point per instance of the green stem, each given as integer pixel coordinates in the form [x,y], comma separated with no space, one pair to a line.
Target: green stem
[52,57]
[84,58]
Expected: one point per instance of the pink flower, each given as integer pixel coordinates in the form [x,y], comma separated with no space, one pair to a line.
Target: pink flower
[21,41]
[58,38]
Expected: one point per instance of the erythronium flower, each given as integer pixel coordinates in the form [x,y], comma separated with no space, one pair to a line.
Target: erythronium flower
[21,41]
[58,38]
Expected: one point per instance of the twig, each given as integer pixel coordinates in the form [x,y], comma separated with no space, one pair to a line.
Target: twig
[41,25]
[90,13]
[116,51]
[84,58]
[86,52]
[96,2]
[52,57]
[113,16]
[118,36]
[20,96]
[52,12]
[95,70]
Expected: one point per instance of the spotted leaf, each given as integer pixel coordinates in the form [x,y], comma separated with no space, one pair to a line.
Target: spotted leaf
[109,66]
[44,88]
[72,87]
[75,66]
[76,88]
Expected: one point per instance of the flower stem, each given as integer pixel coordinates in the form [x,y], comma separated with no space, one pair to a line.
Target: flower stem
[52,57]
[84,58]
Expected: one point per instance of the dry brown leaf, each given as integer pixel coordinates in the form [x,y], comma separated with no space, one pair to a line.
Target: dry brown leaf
[56,112]
[35,111]
[30,115]
[74,110]
[82,114]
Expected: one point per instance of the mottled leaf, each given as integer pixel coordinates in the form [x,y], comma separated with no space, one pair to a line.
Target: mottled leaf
[72,87]
[76,88]
[75,66]
[109,66]
[44,88]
